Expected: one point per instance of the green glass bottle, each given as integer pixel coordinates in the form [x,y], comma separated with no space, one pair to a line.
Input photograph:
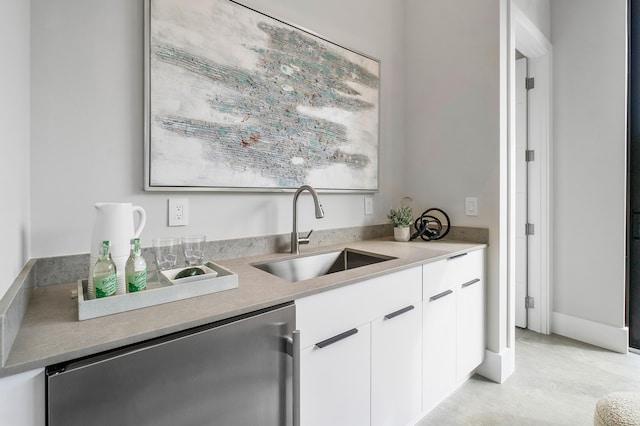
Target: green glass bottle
[136,269]
[105,280]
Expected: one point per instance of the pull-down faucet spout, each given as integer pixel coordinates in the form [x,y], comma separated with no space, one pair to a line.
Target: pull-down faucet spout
[296,240]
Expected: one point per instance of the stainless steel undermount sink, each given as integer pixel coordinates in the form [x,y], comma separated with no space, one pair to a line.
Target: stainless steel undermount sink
[309,266]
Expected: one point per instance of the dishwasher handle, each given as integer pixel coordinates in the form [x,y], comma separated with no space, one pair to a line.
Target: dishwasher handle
[293,349]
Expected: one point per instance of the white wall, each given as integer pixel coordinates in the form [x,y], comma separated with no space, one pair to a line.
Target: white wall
[87,123]
[589,39]
[87,130]
[14,139]
[538,12]
[453,120]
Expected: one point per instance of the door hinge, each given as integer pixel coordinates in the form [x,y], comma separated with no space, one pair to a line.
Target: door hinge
[529,302]
[635,225]
[529,83]
[529,229]
[530,155]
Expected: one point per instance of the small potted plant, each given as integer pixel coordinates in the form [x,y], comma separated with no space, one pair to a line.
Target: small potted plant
[401,220]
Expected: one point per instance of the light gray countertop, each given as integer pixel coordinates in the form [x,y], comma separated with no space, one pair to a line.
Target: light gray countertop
[50,332]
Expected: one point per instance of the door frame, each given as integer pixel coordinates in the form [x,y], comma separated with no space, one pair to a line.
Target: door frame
[528,39]
[522,193]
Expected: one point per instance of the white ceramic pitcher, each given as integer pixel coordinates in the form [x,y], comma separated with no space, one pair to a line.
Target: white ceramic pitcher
[115,222]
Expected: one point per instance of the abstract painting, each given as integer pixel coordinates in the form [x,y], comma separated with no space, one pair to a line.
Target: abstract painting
[238,100]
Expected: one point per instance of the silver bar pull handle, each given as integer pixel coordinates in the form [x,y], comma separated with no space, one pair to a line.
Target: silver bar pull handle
[337,338]
[399,312]
[440,295]
[472,282]
[457,256]
[296,377]
[293,350]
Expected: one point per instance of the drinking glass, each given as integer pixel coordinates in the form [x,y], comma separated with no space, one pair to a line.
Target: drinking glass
[166,252]
[193,249]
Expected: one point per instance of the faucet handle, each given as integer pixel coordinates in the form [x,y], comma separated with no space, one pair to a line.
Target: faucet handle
[305,240]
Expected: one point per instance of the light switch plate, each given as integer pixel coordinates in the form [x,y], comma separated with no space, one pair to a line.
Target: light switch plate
[471,206]
[368,205]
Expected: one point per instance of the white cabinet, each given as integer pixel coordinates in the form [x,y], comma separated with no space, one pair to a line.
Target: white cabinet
[453,324]
[439,346]
[22,399]
[362,374]
[335,383]
[396,362]
[397,344]
[471,318]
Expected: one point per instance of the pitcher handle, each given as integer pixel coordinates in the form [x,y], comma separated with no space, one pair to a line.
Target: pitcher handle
[143,220]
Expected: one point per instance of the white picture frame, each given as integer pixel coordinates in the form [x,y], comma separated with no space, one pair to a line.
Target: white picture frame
[236,100]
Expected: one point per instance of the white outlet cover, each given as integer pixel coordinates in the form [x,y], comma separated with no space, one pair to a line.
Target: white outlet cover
[178,211]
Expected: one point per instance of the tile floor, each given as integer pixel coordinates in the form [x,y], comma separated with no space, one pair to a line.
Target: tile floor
[557,382]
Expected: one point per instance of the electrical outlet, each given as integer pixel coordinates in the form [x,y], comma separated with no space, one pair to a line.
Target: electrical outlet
[178,211]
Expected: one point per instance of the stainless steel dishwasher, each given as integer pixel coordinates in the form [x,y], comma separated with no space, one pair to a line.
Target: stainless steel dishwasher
[236,372]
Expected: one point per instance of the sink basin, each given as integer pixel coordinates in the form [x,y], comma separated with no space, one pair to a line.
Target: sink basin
[309,266]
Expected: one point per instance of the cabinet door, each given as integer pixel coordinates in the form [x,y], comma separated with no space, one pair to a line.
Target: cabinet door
[22,402]
[439,347]
[335,381]
[396,360]
[471,339]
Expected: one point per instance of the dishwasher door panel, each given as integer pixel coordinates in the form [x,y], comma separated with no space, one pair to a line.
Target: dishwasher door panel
[236,373]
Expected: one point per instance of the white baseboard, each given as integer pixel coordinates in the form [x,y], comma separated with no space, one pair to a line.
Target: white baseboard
[498,367]
[595,333]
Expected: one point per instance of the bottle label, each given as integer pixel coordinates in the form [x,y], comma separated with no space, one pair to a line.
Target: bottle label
[105,286]
[137,281]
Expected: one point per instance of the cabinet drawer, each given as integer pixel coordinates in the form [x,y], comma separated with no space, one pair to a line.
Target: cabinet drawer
[434,279]
[451,273]
[328,314]
[467,267]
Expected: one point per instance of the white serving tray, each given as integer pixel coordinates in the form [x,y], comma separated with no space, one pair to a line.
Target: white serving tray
[216,278]
[171,274]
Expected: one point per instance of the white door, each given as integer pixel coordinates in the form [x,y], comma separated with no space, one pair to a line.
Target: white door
[521,194]
[537,49]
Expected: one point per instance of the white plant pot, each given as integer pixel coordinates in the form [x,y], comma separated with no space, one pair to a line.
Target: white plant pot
[401,234]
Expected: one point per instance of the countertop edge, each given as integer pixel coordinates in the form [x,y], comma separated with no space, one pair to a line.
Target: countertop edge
[35,345]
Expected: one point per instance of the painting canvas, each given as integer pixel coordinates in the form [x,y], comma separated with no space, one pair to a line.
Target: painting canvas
[238,100]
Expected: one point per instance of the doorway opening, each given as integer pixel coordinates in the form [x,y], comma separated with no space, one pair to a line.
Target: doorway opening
[531,186]
[522,229]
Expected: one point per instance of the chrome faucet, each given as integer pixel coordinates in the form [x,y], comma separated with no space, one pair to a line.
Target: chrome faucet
[296,240]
